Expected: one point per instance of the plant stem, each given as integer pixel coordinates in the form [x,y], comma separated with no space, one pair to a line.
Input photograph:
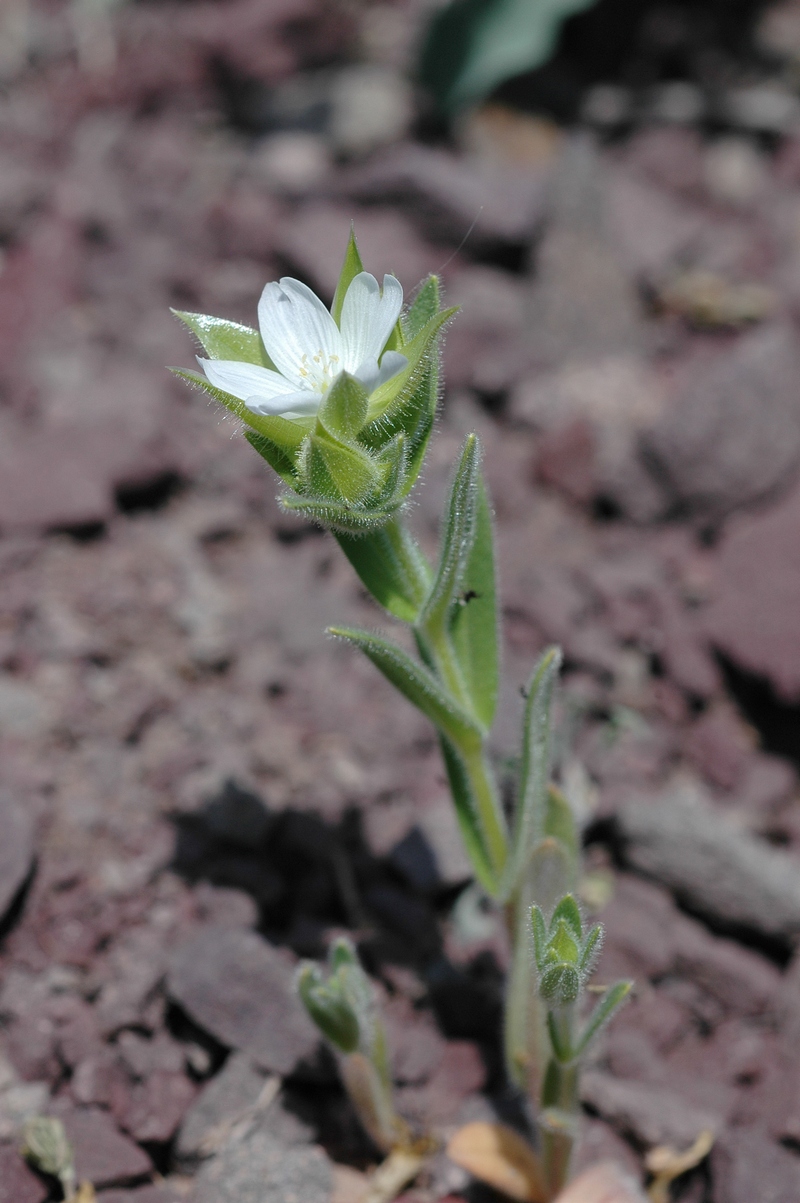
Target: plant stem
[487,801]
[559,1108]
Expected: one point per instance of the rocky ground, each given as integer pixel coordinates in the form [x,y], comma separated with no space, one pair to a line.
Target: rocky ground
[199,788]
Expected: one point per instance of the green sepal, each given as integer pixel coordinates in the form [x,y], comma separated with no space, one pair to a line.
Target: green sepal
[339,516]
[417,684]
[473,619]
[423,308]
[221,339]
[391,395]
[329,1008]
[562,946]
[568,912]
[351,267]
[611,1001]
[391,566]
[532,796]
[590,950]
[263,424]
[467,815]
[539,929]
[559,985]
[277,458]
[344,410]
[333,469]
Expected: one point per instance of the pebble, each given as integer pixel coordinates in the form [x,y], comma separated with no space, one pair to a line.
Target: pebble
[261,1169]
[240,989]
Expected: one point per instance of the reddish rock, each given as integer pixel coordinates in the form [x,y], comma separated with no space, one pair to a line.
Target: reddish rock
[753,616]
[719,744]
[747,1165]
[16,848]
[156,1107]
[565,460]
[103,1156]
[240,989]
[18,1184]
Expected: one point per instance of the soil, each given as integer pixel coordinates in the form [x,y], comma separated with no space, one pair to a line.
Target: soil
[199,788]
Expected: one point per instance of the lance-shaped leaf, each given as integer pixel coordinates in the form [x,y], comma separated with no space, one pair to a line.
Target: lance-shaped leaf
[391,566]
[611,1001]
[394,392]
[351,267]
[467,814]
[559,822]
[339,516]
[473,619]
[226,340]
[529,819]
[423,308]
[457,540]
[416,683]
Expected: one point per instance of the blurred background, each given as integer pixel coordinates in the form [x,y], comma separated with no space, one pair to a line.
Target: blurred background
[611,191]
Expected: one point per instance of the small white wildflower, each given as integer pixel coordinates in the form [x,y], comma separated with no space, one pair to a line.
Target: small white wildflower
[310,350]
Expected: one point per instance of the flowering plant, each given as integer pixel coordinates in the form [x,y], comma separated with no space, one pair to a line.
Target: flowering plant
[342,404]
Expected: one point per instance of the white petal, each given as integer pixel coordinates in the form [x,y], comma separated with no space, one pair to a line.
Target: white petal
[300,336]
[289,405]
[245,380]
[368,373]
[368,317]
[392,363]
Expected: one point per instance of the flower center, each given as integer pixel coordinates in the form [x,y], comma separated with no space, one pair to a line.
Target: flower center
[319,370]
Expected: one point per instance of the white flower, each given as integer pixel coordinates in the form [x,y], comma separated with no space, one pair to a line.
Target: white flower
[310,350]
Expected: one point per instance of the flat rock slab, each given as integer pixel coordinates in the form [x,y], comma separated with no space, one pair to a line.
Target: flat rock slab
[17,849]
[651,1114]
[712,866]
[156,1193]
[263,1170]
[752,618]
[240,990]
[18,1184]
[103,1156]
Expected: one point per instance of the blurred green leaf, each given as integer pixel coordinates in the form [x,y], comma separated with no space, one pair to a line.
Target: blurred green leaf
[472,46]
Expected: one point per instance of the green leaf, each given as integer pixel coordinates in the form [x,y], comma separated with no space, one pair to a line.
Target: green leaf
[474,45]
[568,911]
[611,1001]
[335,470]
[395,392]
[529,818]
[344,410]
[423,308]
[277,458]
[350,269]
[391,566]
[473,620]
[226,340]
[457,540]
[414,418]
[416,683]
[467,815]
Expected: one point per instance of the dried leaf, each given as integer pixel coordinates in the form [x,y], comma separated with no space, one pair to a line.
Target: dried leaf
[666,1164]
[603,1183]
[84,1194]
[395,1173]
[500,1156]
